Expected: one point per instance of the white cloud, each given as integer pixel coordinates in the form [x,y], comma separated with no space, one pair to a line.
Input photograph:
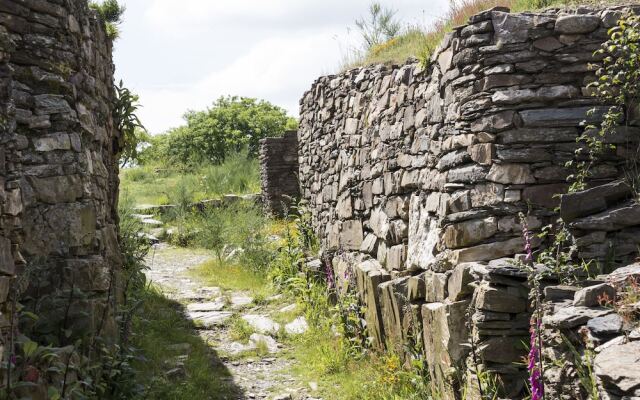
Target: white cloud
[275,69]
[184,55]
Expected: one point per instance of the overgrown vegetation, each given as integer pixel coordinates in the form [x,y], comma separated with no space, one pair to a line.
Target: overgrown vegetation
[417,41]
[110,11]
[133,133]
[153,184]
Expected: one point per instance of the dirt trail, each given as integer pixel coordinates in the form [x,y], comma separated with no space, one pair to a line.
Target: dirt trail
[264,376]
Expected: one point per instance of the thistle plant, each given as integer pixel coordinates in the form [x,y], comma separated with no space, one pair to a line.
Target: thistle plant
[534,364]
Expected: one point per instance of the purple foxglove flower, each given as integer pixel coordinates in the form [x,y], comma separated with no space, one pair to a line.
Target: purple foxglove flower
[533,366]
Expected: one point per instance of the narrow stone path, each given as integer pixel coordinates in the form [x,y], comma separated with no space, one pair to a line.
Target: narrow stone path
[260,367]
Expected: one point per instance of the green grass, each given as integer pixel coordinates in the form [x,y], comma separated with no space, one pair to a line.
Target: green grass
[157,328]
[420,42]
[239,329]
[321,358]
[232,276]
[158,184]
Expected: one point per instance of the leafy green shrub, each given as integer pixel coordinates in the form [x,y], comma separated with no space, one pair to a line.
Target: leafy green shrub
[231,125]
[127,122]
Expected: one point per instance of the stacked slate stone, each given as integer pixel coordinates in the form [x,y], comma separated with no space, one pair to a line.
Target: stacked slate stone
[591,336]
[416,177]
[605,222]
[58,171]
[11,205]
[279,173]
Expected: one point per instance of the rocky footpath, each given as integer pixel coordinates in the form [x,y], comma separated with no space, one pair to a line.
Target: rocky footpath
[259,366]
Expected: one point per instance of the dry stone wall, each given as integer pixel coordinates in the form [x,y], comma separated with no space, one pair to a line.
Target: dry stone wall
[279,172]
[58,170]
[415,178]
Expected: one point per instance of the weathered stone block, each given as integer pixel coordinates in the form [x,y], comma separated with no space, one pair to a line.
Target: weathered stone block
[351,235]
[538,135]
[558,117]
[503,350]
[396,258]
[7,265]
[416,287]
[369,275]
[436,286]
[594,295]
[545,195]
[492,299]
[611,220]
[469,232]
[445,336]
[56,141]
[51,104]
[617,367]
[459,284]
[57,189]
[591,201]
[486,194]
[483,153]
[577,24]
[494,123]
[516,174]
[393,299]
[471,174]
[369,244]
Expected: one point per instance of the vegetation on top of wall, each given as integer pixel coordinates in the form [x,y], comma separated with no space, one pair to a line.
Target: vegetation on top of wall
[380,26]
[111,13]
[414,41]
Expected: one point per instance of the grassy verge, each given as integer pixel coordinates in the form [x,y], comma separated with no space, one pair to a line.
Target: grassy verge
[164,337]
[158,184]
[420,42]
[233,276]
[322,358]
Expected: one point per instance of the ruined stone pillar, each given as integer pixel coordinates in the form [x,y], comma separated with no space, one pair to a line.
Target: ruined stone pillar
[279,173]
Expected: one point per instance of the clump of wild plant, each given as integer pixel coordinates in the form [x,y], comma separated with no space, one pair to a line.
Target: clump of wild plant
[111,13]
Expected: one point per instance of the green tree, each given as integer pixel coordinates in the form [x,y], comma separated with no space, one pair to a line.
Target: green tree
[231,125]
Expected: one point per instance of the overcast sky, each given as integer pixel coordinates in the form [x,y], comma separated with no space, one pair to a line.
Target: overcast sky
[180,55]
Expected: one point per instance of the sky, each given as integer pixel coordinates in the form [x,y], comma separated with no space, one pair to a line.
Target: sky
[183,55]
